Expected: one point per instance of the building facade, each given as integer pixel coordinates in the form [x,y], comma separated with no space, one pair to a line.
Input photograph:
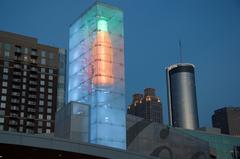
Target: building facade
[227,119]
[182,99]
[147,106]
[28,83]
[96,72]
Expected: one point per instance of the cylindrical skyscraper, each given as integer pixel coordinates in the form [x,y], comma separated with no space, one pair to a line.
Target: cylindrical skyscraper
[182,100]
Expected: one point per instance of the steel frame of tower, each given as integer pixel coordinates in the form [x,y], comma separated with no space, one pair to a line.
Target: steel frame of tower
[107,100]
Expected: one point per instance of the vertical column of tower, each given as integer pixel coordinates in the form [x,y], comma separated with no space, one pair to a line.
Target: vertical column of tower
[97,56]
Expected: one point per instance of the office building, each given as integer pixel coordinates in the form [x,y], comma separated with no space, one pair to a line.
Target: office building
[30,73]
[228,120]
[96,72]
[147,106]
[182,99]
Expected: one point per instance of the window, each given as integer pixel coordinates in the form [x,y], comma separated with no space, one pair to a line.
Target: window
[49,110]
[3,105]
[49,97]
[43,70]
[49,104]
[23,93]
[43,53]
[22,114]
[39,130]
[48,124]
[2,112]
[50,71]
[21,122]
[24,73]
[23,86]
[1,127]
[24,80]
[18,48]
[5,77]
[23,100]
[3,98]
[42,76]
[50,84]
[25,67]
[41,96]
[49,90]
[50,77]
[51,55]
[40,116]
[43,61]
[42,82]
[4,84]
[48,131]
[20,129]
[25,50]
[40,109]
[41,89]
[6,53]
[41,102]
[49,117]
[40,123]
[5,70]
[4,91]
[1,120]
[34,52]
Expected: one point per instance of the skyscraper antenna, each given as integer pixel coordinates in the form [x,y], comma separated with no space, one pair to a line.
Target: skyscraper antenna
[180,51]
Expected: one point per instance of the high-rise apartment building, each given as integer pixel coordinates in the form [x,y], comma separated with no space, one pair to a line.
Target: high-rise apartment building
[30,74]
[182,99]
[228,120]
[147,106]
[96,72]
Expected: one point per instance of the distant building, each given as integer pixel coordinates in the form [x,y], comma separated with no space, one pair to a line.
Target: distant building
[31,84]
[228,120]
[182,99]
[147,106]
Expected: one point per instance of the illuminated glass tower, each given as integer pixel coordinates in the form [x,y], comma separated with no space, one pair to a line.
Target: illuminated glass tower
[96,72]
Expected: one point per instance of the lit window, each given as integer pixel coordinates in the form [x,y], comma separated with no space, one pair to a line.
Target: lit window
[5,70]
[24,80]
[3,98]
[24,86]
[42,76]
[1,120]
[4,91]
[43,61]
[43,70]
[43,53]
[3,105]
[48,124]
[49,90]
[23,100]
[41,89]
[5,77]
[4,84]
[41,102]
[49,117]
[40,116]
[25,50]
[49,110]
[42,82]
[50,77]
[25,73]
[50,71]
[48,131]
[49,104]
[22,114]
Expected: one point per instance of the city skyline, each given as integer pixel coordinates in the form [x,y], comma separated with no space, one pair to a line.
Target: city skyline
[203,32]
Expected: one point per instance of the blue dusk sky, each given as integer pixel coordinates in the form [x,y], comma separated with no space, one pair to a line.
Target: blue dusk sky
[209,31]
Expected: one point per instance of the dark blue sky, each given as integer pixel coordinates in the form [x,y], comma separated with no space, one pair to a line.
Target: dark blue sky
[209,30]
